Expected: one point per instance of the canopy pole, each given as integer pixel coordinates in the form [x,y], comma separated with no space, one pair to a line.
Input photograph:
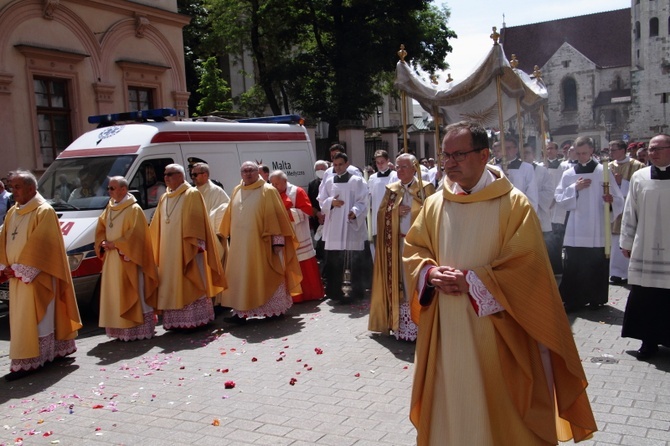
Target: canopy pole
[544,135]
[403,101]
[537,74]
[519,127]
[402,53]
[501,123]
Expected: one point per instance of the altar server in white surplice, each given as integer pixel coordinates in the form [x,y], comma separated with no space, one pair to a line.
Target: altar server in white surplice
[377,187]
[645,239]
[586,269]
[343,199]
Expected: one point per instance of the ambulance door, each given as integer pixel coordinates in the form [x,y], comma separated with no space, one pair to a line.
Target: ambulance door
[295,158]
[222,158]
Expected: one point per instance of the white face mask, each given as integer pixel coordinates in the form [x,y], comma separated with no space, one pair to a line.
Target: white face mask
[319,174]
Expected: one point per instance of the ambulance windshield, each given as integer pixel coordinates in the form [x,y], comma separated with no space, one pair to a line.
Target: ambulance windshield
[81,183]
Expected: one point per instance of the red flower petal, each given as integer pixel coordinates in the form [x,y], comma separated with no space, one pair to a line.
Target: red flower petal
[229,384]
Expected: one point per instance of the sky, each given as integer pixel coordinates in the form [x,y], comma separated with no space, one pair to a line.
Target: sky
[472,21]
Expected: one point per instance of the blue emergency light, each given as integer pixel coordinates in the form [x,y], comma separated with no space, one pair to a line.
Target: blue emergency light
[157,114]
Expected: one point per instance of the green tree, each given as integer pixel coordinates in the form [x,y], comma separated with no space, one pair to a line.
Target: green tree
[329,58]
[213,89]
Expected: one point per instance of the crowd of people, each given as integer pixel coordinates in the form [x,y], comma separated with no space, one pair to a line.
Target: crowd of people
[460,256]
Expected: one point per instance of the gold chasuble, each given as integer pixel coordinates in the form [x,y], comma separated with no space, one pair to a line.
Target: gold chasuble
[513,377]
[125,225]
[31,237]
[180,221]
[388,276]
[254,215]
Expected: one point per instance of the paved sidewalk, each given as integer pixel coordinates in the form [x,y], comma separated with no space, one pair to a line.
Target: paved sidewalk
[315,377]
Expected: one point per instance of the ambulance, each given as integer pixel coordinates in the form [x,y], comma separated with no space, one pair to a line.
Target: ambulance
[75,184]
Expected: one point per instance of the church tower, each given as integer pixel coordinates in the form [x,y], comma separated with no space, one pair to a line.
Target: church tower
[650,68]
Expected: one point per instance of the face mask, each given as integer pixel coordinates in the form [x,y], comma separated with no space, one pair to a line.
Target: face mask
[319,174]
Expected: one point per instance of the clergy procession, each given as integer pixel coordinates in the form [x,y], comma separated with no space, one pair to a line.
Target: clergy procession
[480,261]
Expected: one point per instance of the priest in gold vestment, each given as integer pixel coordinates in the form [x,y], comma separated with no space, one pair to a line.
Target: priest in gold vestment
[43,313]
[129,275]
[390,299]
[263,262]
[495,363]
[189,268]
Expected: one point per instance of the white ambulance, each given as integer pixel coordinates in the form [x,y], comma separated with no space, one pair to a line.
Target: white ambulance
[75,184]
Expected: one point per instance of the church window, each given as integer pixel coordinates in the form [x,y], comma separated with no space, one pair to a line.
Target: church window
[637,30]
[653,27]
[53,116]
[569,87]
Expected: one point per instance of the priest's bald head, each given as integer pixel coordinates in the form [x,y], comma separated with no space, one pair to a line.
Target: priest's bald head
[465,153]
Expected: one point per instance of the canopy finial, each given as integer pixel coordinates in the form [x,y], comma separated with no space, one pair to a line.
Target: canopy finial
[402,53]
[514,62]
[495,35]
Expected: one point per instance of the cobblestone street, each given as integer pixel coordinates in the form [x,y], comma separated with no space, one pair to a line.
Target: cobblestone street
[316,376]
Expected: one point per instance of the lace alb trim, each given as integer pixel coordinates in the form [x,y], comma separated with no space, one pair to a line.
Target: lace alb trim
[482,300]
[143,331]
[50,349]
[197,314]
[26,273]
[407,329]
[278,304]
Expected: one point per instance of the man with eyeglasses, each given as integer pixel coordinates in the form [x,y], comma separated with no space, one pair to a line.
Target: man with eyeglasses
[585,279]
[622,168]
[645,239]
[129,275]
[216,201]
[263,266]
[189,266]
[496,363]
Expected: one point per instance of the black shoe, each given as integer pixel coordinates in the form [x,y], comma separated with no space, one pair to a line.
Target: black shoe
[647,351]
[616,280]
[13,376]
[235,319]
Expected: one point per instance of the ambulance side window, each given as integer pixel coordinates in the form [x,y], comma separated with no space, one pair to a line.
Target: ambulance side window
[148,185]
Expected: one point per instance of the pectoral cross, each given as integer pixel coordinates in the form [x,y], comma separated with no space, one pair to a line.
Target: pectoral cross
[658,249]
[15,232]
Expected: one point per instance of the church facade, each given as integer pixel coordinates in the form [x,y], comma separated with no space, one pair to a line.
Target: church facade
[63,60]
[606,73]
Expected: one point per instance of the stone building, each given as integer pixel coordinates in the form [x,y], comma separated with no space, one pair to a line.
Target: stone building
[586,65]
[63,60]
[650,70]
[607,73]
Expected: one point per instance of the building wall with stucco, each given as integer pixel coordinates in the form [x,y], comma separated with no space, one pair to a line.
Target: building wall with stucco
[100,51]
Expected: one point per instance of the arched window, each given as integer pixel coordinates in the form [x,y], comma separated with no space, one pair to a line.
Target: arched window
[637,30]
[653,27]
[569,87]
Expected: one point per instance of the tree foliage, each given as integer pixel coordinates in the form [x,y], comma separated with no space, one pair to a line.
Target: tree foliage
[328,58]
[213,89]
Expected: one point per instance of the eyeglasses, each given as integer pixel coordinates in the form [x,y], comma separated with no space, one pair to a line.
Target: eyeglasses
[655,149]
[456,156]
[249,170]
[169,174]
[111,188]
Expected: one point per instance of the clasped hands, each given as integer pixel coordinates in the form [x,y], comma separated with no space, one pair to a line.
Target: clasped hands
[448,280]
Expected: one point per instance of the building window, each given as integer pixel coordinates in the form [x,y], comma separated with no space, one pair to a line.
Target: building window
[569,87]
[653,27]
[53,116]
[140,98]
